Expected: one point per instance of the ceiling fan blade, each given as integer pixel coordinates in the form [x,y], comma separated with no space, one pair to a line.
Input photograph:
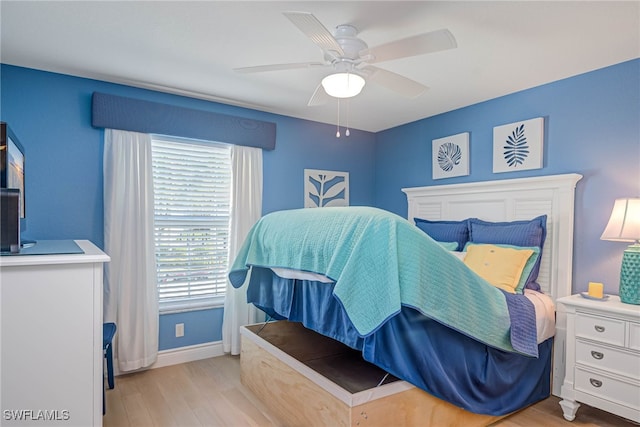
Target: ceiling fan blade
[319,97]
[433,41]
[397,83]
[278,67]
[312,28]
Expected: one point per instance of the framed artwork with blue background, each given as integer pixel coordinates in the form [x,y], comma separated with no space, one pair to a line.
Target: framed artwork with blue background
[450,156]
[518,146]
[325,188]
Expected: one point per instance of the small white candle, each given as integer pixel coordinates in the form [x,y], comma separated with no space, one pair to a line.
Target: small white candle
[596,290]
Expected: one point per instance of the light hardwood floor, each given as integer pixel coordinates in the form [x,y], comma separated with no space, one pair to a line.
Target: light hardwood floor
[209,393]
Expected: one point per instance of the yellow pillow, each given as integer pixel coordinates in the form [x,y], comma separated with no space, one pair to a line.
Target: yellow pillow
[502,267]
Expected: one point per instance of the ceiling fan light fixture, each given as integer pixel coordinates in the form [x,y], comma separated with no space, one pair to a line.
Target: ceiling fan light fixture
[343,85]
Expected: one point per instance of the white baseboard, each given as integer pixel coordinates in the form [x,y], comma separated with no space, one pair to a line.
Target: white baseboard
[190,353]
[179,355]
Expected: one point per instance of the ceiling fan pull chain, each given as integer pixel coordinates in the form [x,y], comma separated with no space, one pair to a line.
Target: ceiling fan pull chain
[346,132]
[338,124]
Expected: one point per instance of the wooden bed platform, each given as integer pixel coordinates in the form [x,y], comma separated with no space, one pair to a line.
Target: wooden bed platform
[307,379]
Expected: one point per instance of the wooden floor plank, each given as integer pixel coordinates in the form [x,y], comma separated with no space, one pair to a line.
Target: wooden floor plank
[208,392]
[116,410]
[161,414]
[137,411]
[180,395]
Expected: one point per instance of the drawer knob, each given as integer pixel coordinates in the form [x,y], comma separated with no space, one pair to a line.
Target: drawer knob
[597,355]
[599,328]
[595,383]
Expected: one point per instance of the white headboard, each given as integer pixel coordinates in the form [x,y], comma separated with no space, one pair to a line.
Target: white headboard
[510,200]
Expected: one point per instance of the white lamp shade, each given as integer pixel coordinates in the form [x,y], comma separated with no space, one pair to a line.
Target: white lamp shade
[343,85]
[624,224]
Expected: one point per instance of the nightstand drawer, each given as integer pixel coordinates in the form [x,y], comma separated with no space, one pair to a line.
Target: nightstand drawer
[601,329]
[634,336]
[608,359]
[607,388]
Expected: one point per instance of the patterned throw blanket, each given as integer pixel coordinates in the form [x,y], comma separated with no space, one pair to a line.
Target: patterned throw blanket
[379,262]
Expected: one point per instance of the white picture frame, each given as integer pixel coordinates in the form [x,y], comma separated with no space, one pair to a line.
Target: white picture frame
[518,146]
[450,156]
[324,188]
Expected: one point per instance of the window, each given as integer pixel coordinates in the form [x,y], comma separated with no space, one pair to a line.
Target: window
[192,188]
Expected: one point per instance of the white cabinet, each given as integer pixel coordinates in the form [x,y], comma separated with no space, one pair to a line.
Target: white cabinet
[51,338]
[602,357]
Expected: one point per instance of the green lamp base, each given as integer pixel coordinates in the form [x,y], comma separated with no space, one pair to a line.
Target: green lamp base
[630,275]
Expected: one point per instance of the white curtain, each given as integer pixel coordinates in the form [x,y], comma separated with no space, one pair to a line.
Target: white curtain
[246,209]
[131,299]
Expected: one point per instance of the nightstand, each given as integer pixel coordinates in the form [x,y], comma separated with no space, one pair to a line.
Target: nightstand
[602,356]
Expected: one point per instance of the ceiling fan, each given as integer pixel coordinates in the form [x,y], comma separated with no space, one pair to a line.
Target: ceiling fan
[350,58]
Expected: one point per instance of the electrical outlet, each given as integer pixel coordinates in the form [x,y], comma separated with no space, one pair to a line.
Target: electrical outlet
[179,330]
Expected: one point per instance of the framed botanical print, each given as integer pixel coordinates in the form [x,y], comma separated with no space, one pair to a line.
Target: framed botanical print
[518,146]
[450,156]
[325,188]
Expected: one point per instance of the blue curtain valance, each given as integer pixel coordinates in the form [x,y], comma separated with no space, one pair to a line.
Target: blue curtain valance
[117,112]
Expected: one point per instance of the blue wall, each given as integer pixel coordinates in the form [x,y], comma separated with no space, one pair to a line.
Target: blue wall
[51,115]
[592,126]
[200,326]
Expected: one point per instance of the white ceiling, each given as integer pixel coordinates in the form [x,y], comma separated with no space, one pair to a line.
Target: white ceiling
[191,48]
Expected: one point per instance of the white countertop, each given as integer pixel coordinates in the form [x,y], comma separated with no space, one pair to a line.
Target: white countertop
[91,254]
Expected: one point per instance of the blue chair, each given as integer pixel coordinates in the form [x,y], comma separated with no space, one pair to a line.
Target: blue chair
[108,331]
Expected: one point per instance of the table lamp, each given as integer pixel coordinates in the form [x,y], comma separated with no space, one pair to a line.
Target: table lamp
[624,226]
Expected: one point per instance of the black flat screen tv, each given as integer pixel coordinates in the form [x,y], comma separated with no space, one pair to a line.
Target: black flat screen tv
[12,165]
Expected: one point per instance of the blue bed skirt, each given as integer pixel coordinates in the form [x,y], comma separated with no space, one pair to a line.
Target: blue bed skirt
[415,348]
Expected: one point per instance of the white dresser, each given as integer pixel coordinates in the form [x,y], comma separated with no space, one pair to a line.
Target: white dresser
[51,357]
[602,357]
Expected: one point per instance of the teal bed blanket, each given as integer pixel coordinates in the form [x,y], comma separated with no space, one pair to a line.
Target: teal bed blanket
[379,261]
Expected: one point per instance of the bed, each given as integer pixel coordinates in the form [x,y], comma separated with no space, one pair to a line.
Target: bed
[384,287]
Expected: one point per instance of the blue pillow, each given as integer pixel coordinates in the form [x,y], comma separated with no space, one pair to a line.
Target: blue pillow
[445,231]
[517,233]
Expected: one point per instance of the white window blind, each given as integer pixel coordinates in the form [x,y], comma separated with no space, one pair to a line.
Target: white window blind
[192,200]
